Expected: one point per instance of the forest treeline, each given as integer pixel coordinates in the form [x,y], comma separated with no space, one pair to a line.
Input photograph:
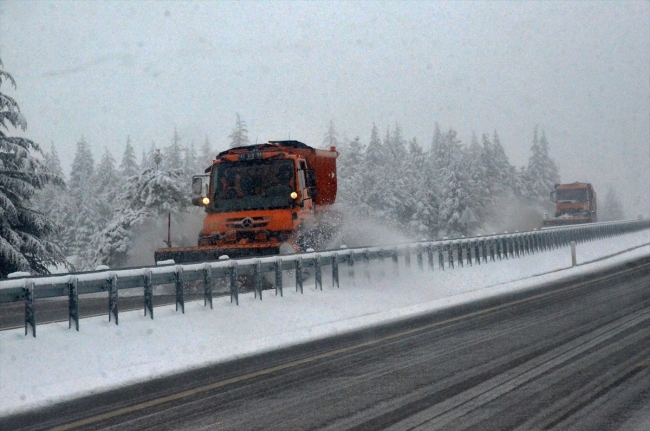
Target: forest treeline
[103,211]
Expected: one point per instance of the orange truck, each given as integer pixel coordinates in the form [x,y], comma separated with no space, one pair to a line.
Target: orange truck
[260,200]
[575,203]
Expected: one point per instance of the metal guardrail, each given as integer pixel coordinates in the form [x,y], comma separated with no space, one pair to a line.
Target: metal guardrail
[450,253]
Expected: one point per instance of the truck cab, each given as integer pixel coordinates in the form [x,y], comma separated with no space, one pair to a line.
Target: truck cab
[574,203]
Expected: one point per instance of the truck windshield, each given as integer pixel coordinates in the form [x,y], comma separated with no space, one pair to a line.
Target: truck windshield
[574,195]
[253,185]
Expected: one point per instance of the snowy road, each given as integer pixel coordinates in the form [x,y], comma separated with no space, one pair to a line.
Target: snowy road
[571,355]
[62,364]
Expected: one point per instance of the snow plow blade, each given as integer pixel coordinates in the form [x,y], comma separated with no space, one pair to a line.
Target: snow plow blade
[564,222]
[207,254]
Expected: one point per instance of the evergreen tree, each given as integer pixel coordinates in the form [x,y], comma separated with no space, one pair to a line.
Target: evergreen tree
[542,171]
[239,135]
[51,199]
[190,161]
[173,154]
[330,139]
[478,188]
[454,193]
[25,233]
[148,157]
[207,154]
[611,208]
[348,167]
[146,201]
[82,206]
[108,185]
[374,182]
[375,155]
[419,212]
[129,165]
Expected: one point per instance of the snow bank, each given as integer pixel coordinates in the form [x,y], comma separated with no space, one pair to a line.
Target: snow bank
[62,364]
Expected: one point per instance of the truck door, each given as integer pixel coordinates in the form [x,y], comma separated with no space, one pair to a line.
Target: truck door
[305,197]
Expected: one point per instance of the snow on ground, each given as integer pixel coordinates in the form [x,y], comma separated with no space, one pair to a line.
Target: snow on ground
[62,364]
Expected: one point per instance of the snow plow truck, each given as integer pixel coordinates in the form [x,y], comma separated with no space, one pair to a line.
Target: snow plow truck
[260,200]
[575,203]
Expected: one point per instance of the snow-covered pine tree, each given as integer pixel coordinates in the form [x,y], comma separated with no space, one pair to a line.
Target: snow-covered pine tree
[479,193]
[453,185]
[421,200]
[349,170]
[108,188]
[147,200]
[507,172]
[207,154]
[173,154]
[25,233]
[129,165]
[330,138]
[611,208]
[397,144]
[374,181]
[82,206]
[239,135]
[190,162]
[542,170]
[148,157]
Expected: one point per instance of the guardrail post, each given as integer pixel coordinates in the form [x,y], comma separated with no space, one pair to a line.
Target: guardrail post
[30,307]
[407,256]
[498,246]
[335,270]
[441,257]
[419,257]
[277,266]
[430,256]
[257,278]
[234,283]
[366,263]
[351,266]
[477,255]
[450,254]
[516,245]
[73,303]
[180,294]
[148,293]
[207,285]
[112,297]
[299,274]
[492,245]
[395,262]
[483,245]
[318,272]
[382,267]
[574,261]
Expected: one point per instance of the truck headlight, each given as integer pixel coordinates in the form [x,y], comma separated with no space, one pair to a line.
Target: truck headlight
[206,200]
[293,195]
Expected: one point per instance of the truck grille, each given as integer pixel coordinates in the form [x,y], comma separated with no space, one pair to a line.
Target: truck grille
[247,222]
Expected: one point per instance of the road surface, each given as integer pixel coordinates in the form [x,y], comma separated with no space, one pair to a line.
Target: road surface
[572,355]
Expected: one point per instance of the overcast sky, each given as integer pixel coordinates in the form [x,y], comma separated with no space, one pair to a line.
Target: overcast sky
[105,70]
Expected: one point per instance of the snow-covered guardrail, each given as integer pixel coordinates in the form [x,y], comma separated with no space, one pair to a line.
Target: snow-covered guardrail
[450,253]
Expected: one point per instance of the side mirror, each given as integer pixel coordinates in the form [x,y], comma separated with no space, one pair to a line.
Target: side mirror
[313,192]
[200,189]
[554,196]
